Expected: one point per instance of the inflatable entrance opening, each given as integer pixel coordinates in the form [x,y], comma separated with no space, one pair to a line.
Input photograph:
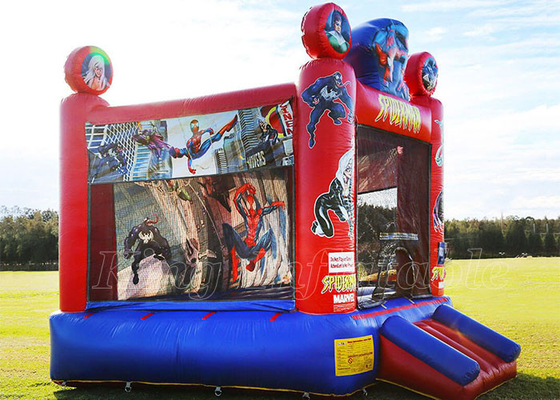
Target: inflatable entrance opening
[287,237]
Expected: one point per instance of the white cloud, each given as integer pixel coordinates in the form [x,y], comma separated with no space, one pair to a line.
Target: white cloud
[436,34]
[513,154]
[489,142]
[524,175]
[160,51]
[446,6]
[481,31]
[524,9]
[537,202]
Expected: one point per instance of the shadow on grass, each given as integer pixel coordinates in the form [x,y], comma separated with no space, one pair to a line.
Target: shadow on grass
[166,392]
[523,387]
[528,387]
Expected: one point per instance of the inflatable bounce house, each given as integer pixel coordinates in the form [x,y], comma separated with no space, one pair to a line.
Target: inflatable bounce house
[282,238]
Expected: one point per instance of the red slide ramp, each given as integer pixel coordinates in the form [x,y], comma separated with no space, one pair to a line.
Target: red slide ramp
[449,356]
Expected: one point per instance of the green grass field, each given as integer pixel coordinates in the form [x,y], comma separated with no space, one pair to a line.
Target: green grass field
[517,297]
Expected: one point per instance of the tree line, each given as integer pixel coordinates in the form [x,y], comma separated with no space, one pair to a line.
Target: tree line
[28,235]
[31,235]
[502,237]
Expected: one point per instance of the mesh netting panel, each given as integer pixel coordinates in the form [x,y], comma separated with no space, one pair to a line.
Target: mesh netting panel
[393,208]
[209,237]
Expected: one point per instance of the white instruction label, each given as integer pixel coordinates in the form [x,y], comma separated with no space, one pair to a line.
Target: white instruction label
[342,262]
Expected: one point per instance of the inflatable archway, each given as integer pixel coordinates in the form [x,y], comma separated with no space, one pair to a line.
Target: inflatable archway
[288,237]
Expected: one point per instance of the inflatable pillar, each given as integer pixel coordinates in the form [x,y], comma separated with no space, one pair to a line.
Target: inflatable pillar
[437,244]
[421,78]
[325,184]
[73,242]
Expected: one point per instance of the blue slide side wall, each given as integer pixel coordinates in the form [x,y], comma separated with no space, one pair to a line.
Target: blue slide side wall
[485,337]
[438,355]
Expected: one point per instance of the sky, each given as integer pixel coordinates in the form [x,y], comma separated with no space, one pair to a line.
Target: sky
[499,63]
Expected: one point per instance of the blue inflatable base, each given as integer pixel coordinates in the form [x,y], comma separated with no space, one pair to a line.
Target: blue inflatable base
[261,349]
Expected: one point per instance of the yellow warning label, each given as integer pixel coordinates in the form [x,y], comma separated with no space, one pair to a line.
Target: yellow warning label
[353,356]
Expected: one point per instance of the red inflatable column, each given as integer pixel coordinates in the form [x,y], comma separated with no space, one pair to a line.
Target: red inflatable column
[421,77]
[437,240]
[325,188]
[73,228]
[73,236]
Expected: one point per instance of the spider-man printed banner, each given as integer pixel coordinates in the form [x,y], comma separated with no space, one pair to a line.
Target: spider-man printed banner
[379,55]
[197,145]
[221,237]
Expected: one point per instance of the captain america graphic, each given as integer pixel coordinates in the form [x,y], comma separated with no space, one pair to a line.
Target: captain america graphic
[327,93]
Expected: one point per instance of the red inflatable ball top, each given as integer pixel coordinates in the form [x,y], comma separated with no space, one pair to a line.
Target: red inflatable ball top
[421,74]
[89,70]
[326,32]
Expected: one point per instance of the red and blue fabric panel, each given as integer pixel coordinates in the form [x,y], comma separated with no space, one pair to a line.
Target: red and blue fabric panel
[249,347]
[485,337]
[449,356]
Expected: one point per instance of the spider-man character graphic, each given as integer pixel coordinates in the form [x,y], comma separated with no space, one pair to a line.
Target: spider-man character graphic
[150,242]
[327,93]
[152,140]
[196,146]
[391,48]
[254,246]
[379,55]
